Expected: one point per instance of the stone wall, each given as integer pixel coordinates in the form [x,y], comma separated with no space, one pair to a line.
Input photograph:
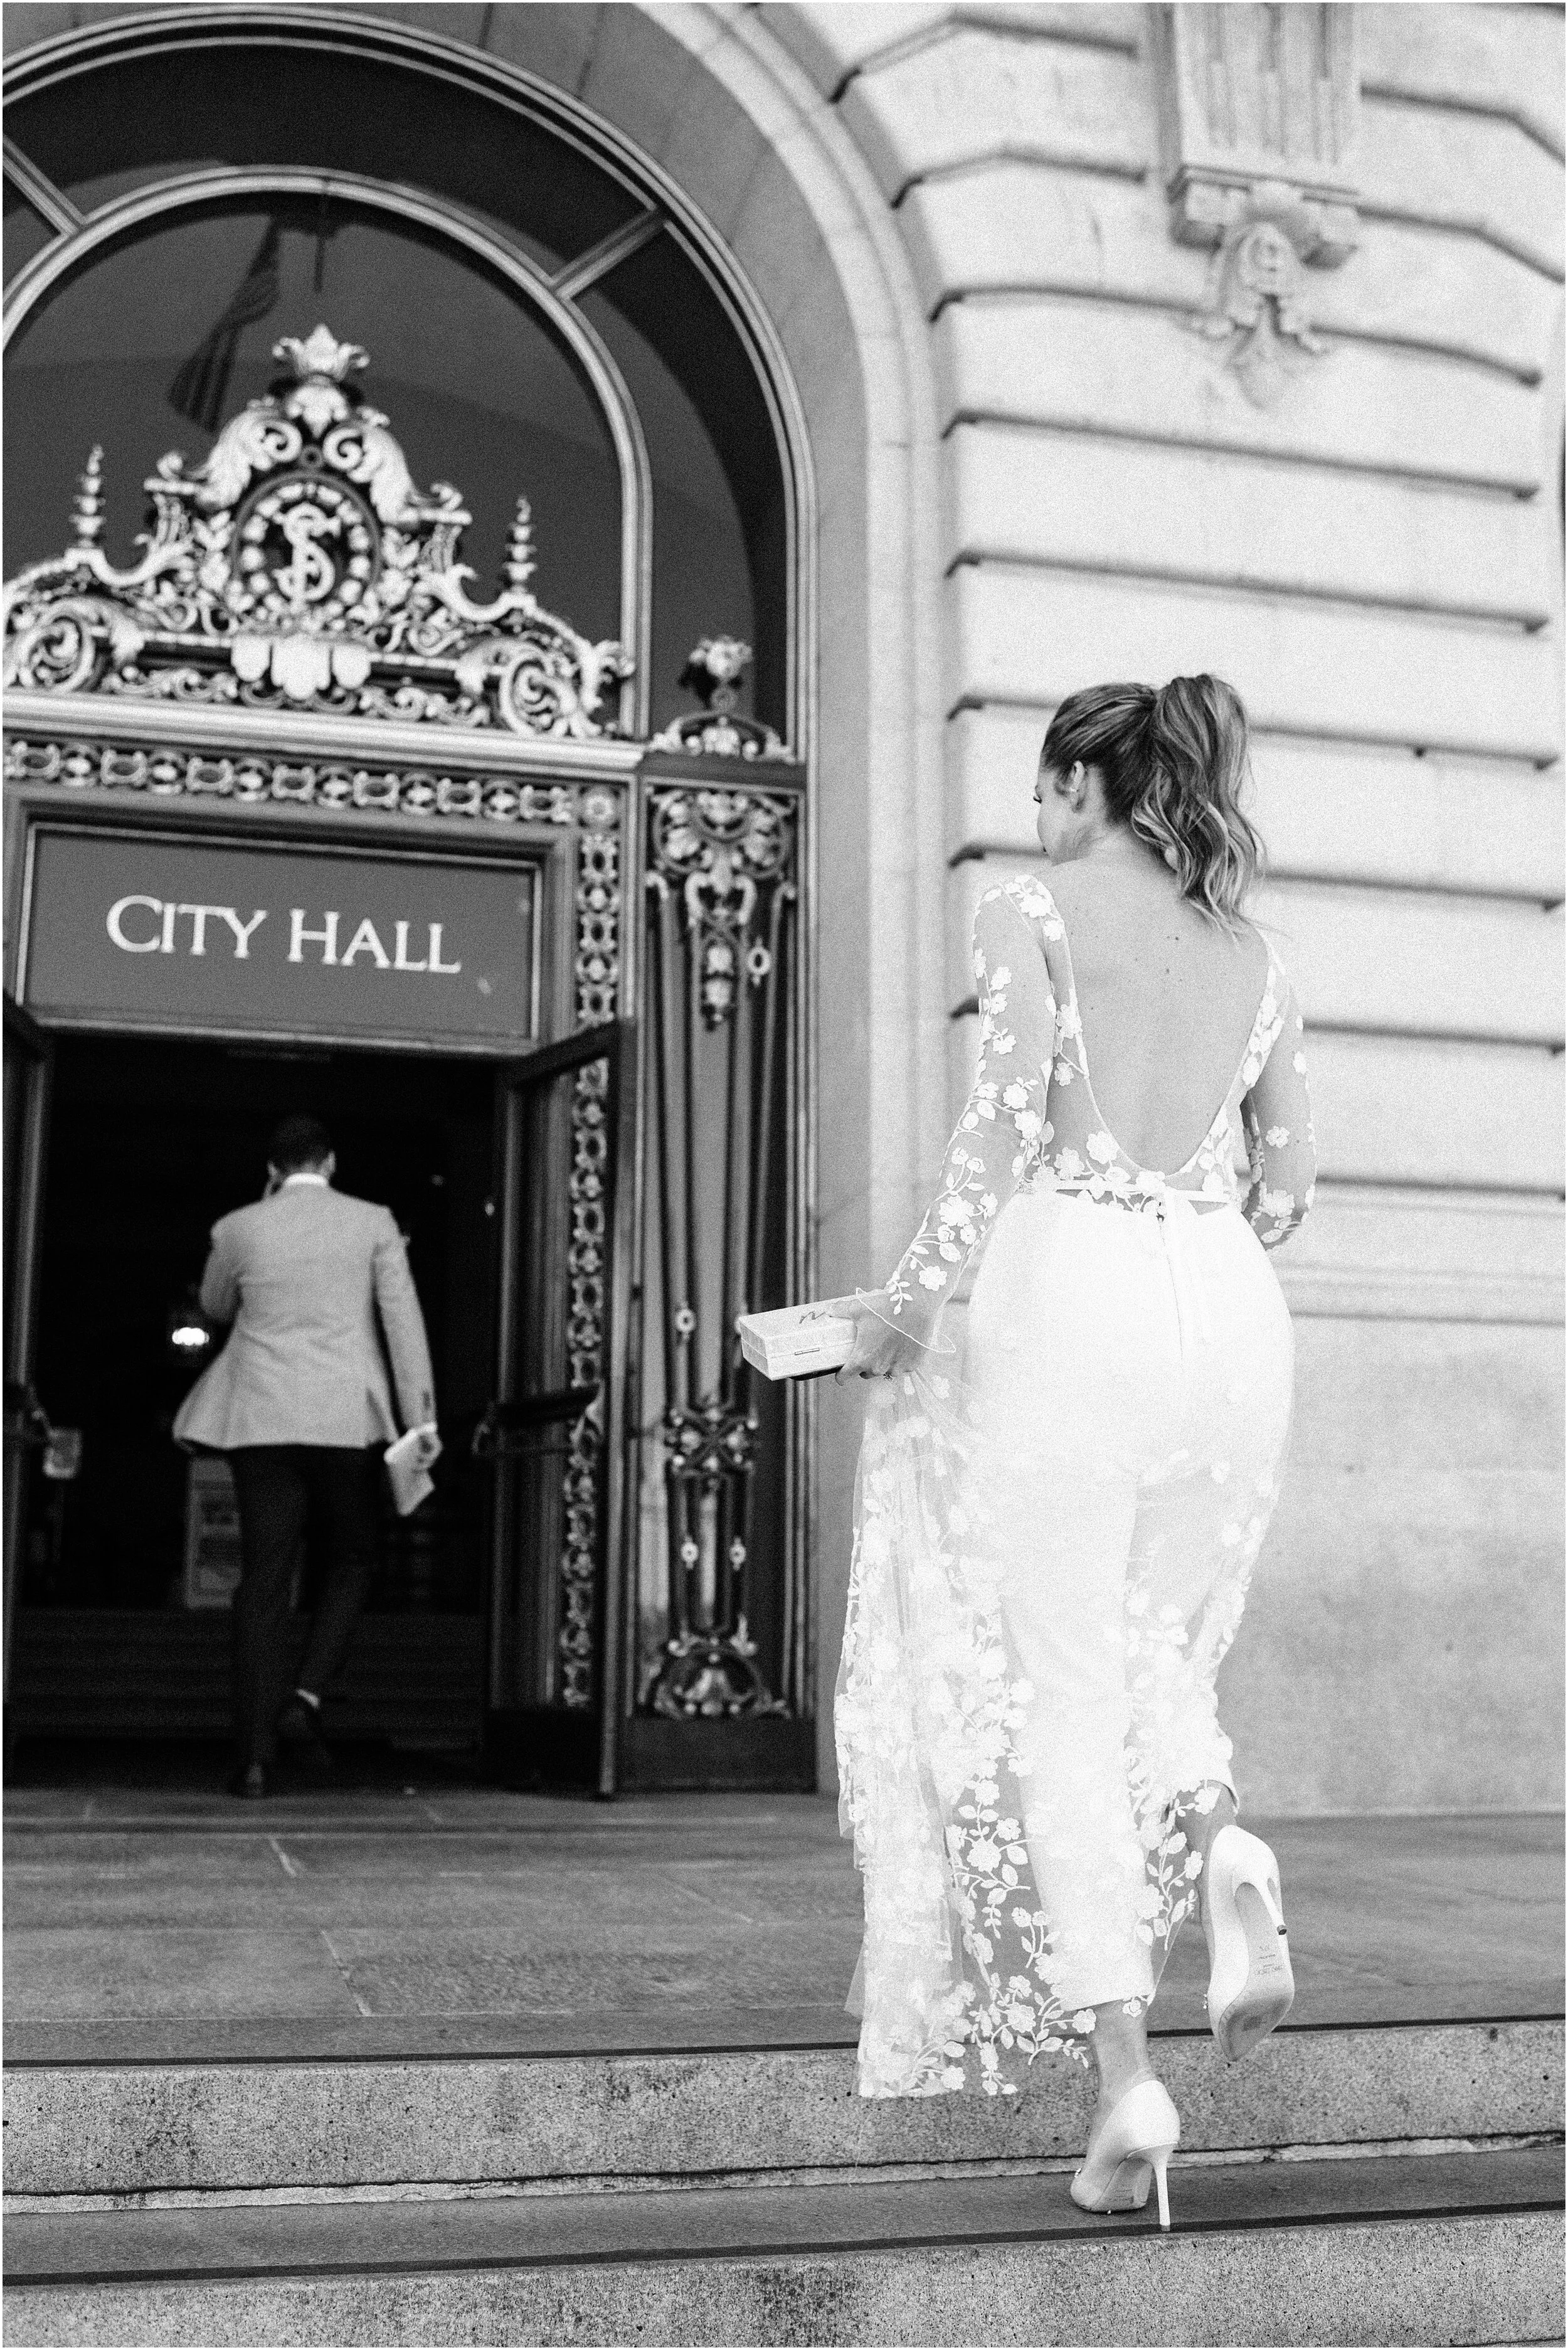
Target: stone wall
[1367,542]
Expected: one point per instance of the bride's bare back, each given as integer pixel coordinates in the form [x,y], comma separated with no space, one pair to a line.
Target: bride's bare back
[1166,1000]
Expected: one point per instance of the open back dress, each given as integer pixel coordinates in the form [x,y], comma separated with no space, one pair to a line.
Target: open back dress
[1055,1531]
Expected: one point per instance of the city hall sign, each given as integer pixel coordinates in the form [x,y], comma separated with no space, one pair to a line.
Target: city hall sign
[137,929]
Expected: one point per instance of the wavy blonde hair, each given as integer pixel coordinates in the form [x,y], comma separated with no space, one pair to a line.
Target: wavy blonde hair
[1175,764]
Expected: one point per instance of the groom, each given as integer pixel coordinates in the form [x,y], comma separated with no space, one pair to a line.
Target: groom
[300,1402]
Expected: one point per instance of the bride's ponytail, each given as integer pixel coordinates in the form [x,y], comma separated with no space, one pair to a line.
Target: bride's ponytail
[1174,764]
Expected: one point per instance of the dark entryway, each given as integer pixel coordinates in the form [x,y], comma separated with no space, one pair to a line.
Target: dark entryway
[123,1624]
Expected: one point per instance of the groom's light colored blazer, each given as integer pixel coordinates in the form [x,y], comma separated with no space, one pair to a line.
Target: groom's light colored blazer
[301,1276]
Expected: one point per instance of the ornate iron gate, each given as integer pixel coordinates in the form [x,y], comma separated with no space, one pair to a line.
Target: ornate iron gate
[721,946]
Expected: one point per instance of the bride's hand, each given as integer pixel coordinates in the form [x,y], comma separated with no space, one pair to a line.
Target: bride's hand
[879,1351]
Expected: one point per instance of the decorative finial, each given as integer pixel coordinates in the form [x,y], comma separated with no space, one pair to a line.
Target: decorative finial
[87,506]
[321,356]
[519,565]
[713,672]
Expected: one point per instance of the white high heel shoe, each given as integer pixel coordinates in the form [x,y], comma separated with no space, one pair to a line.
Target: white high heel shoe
[1137,2137]
[1251,1984]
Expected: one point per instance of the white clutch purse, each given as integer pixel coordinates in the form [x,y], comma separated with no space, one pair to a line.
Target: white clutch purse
[408,1475]
[798,1342]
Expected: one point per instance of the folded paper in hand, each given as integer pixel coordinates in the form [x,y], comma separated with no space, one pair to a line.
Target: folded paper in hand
[408,1468]
[798,1342]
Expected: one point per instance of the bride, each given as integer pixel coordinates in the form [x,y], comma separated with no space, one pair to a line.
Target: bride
[1052,1553]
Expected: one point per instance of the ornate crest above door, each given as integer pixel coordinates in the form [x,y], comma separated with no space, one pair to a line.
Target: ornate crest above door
[301,568]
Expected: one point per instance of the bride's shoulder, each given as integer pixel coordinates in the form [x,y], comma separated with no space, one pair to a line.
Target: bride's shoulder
[1080,904]
[1026,896]
[1259,950]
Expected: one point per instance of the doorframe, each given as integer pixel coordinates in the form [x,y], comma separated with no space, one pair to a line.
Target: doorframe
[549,845]
[616,1042]
[23,1036]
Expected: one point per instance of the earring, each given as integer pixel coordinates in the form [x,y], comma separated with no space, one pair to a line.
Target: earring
[1172,859]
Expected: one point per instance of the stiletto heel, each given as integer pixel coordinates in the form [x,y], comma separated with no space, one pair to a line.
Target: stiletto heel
[1134,2143]
[1250,1982]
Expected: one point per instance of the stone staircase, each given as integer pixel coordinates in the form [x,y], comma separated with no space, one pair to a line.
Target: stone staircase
[1374,2183]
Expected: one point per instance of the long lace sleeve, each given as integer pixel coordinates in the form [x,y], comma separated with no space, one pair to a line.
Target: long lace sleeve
[1281,1149]
[1003,1129]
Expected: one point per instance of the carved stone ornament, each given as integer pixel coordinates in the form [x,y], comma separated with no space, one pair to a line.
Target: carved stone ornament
[713,672]
[300,568]
[1256,304]
[1259,113]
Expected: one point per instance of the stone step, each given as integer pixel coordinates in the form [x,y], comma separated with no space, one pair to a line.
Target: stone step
[134,2130]
[1404,2249]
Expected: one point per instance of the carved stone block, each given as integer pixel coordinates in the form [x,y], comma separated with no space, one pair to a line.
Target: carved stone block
[1254,94]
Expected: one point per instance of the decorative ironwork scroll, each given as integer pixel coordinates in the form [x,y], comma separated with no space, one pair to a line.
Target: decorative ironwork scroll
[586,1277]
[597,967]
[598,901]
[166,772]
[300,568]
[721,891]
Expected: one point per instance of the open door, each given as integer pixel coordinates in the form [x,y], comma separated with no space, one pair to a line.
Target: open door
[27,1069]
[554,1433]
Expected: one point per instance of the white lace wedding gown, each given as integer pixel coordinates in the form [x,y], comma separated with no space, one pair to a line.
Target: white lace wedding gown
[1052,1552]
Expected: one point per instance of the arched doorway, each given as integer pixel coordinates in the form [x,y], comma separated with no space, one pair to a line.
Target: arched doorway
[565,332]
